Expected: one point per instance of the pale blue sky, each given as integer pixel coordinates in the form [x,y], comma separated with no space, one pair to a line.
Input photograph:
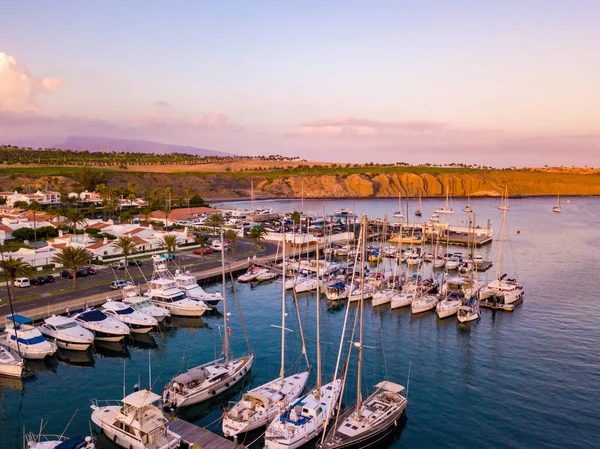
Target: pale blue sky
[492,72]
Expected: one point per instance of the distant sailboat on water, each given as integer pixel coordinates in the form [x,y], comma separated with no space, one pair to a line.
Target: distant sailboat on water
[557,207]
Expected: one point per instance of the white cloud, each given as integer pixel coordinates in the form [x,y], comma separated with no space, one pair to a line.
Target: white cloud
[19,89]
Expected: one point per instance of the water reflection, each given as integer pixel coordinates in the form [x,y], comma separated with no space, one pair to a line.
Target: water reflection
[111,349]
[142,341]
[47,364]
[76,358]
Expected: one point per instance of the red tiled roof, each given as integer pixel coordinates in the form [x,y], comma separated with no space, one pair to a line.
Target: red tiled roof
[5,228]
[98,245]
[180,214]
[99,225]
[138,240]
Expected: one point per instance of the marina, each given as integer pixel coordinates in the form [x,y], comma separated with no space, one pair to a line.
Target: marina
[180,344]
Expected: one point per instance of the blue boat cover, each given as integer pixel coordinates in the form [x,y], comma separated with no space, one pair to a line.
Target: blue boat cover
[72,443]
[19,319]
[337,285]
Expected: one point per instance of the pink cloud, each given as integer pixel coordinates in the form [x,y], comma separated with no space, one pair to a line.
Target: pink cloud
[204,121]
[19,89]
[357,127]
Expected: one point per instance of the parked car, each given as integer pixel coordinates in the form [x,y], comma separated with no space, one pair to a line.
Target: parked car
[49,278]
[117,266]
[120,283]
[38,280]
[134,263]
[82,272]
[168,256]
[90,270]
[217,245]
[199,252]
[22,282]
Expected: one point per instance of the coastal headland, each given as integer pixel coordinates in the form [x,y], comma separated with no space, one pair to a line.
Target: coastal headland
[230,181]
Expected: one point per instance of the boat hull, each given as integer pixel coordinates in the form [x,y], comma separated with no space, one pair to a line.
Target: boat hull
[71,345]
[11,370]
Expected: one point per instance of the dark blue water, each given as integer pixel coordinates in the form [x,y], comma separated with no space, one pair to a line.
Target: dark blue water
[524,379]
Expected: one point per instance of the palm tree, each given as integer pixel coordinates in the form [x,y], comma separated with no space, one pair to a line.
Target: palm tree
[215,221]
[202,240]
[232,236]
[73,218]
[257,233]
[169,242]
[14,268]
[127,247]
[296,218]
[73,257]
[34,206]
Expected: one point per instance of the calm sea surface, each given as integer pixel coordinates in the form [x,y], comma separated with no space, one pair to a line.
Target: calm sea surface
[530,378]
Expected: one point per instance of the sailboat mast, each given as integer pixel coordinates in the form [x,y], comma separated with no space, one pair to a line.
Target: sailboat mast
[319,380]
[226,329]
[360,328]
[282,371]
[501,247]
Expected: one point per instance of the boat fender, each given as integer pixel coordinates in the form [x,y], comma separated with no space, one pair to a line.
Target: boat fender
[114,438]
[227,384]
[212,392]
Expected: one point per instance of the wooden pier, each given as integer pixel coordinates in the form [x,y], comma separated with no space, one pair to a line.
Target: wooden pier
[198,438]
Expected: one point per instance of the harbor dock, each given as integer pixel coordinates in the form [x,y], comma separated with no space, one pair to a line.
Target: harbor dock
[196,437]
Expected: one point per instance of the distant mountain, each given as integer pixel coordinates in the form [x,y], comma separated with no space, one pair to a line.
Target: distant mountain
[133,146]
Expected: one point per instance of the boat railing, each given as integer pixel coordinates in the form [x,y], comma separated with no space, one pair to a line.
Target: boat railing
[34,438]
[98,403]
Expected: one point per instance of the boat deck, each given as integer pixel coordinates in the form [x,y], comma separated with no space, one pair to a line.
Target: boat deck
[494,305]
[199,437]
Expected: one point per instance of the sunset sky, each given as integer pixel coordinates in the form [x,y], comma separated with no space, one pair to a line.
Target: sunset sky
[501,82]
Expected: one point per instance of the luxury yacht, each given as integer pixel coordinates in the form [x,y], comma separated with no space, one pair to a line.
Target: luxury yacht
[138,322]
[23,338]
[135,422]
[105,328]
[142,304]
[189,285]
[66,333]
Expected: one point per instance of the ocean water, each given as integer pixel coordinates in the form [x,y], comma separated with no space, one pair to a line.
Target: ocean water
[529,378]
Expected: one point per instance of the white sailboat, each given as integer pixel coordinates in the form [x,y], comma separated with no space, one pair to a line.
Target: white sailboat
[399,213]
[418,212]
[259,406]
[504,200]
[371,420]
[557,207]
[206,381]
[469,309]
[306,417]
[447,209]
[468,208]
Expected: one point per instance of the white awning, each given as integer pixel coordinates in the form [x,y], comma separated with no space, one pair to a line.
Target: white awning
[260,397]
[141,398]
[390,386]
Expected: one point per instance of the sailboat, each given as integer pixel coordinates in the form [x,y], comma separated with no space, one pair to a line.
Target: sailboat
[557,207]
[206,381]
[372,419]
[399,214]
[447,209]
[418,212]
[259,406]
[469,309]
[468,208]
[504,201]
[306,417]
[505,290]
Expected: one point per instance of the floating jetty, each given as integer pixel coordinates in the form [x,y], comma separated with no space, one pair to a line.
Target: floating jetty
[196,437]
[494,304]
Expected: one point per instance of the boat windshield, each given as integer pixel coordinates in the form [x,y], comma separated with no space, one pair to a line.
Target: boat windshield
[92,315]
[143,304]
[180,297]
[125,311]
[69,325]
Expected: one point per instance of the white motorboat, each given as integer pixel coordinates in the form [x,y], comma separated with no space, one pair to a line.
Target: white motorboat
[11,363]
[25,339]
[142,304]
[452,263]
[163,291]
[264,275]
[343,211]
[250,274]
[138,322]
[259,406]
[413,259]
[66,333]
[423,303]
[45,441]
[370,423]
[135,422]
[105,328]
[438,262]
[189,285]
[449,305]
[399,215]
[306,284]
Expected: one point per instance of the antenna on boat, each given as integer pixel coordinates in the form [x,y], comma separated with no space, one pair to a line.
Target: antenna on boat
[408,380]
[226,330]
[68,424]
[124,374]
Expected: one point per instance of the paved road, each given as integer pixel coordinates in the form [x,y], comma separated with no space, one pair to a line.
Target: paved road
[100,283]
